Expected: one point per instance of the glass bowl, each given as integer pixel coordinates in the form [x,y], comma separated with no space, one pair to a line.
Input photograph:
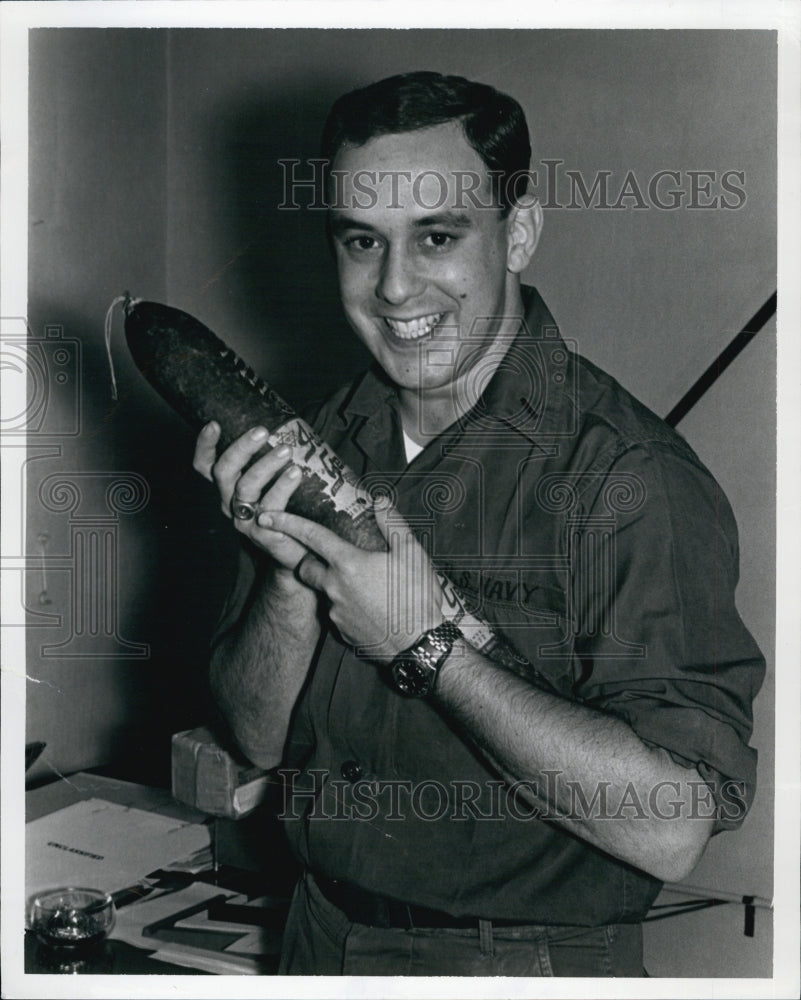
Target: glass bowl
[71,917]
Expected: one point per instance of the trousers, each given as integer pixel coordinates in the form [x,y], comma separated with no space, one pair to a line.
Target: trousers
[320,940]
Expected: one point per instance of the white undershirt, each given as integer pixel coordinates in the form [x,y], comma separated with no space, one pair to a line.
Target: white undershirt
[412,448]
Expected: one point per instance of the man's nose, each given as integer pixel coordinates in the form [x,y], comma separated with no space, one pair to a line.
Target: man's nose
[400,278]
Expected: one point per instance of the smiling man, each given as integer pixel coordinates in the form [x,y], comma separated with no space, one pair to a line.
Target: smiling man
[456,814]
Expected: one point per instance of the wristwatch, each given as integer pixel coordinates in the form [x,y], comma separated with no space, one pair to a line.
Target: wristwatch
[415,670]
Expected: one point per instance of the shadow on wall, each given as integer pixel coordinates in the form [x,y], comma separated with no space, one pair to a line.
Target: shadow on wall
[287,275]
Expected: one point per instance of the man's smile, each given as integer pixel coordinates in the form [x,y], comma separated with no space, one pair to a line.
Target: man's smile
[412,329]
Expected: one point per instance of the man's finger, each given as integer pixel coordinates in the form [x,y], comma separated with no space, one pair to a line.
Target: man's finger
[311,572]
[314,536]
[279,493]
[283,549]
[237,455]
[206,449]
[256,477]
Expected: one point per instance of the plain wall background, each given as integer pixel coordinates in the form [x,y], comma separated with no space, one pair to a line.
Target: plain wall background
[153,167]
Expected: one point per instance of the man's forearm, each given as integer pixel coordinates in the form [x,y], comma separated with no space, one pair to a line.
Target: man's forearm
[527,732]
[258,669]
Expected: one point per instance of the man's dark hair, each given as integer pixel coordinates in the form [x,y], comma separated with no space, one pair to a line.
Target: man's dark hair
[493,123]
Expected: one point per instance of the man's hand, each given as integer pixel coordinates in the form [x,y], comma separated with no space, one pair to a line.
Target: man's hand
[268,483]
[380,602]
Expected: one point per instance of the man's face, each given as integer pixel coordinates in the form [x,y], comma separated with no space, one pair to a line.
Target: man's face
[422,263]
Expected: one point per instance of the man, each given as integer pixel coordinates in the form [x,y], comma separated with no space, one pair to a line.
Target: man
[517,817]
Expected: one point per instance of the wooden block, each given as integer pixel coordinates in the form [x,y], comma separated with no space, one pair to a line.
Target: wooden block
[214,778]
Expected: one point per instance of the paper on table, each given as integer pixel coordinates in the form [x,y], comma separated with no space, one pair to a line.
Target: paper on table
[216,962]
[261,941]
[136,925]
[132,920]
[104,845]
[253,940]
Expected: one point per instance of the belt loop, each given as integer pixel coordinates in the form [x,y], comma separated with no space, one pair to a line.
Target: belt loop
[485,937]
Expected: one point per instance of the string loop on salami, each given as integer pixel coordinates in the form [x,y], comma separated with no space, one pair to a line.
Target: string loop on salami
[125,300]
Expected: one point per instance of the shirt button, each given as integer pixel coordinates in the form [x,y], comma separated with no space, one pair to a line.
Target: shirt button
[351,770]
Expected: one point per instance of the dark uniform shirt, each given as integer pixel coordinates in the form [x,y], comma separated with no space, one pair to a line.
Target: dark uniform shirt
[592,537]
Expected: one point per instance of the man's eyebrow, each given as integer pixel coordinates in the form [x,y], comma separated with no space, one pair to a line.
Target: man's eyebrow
[450,219]
[340,222]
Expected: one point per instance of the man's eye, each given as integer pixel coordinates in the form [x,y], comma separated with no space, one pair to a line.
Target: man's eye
[361,243]
[439,240]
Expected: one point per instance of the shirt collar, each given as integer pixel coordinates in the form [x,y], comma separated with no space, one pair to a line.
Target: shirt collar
[528,392]
[532,389]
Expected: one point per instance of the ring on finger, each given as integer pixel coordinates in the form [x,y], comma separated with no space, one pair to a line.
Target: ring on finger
[244,510]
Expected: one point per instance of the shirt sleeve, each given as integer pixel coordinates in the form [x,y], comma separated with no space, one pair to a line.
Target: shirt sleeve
[659,640]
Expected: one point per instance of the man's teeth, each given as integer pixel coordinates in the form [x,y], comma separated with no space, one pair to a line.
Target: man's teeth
[408,329]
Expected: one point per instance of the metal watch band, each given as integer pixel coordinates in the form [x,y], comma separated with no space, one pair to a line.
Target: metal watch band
[434,645]
[415,670]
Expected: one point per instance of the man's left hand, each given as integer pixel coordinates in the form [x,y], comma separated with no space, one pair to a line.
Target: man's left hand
[381,602]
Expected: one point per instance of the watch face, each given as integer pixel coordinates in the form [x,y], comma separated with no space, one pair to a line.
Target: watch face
[410,676]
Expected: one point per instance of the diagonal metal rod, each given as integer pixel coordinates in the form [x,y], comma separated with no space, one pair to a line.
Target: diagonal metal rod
[681,908]
[722,362]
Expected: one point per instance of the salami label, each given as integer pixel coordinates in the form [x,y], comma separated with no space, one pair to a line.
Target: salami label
[478,633]
[314,457]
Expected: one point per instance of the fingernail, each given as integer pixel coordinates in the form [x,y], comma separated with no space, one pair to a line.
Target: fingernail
[284,451]
[211,427]
[265,521]
[294,472]
[258,433]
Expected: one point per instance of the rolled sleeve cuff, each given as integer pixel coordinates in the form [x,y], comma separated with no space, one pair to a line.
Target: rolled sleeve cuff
[696,739]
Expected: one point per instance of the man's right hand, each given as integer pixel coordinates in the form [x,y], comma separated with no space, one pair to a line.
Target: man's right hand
[268,483]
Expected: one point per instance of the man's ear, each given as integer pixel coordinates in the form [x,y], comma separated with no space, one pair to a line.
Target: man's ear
[524,225]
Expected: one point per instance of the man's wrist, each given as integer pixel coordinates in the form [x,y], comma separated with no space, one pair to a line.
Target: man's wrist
[451,662]
[415,670]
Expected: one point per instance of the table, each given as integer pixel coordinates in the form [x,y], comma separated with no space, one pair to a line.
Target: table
[117,957]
